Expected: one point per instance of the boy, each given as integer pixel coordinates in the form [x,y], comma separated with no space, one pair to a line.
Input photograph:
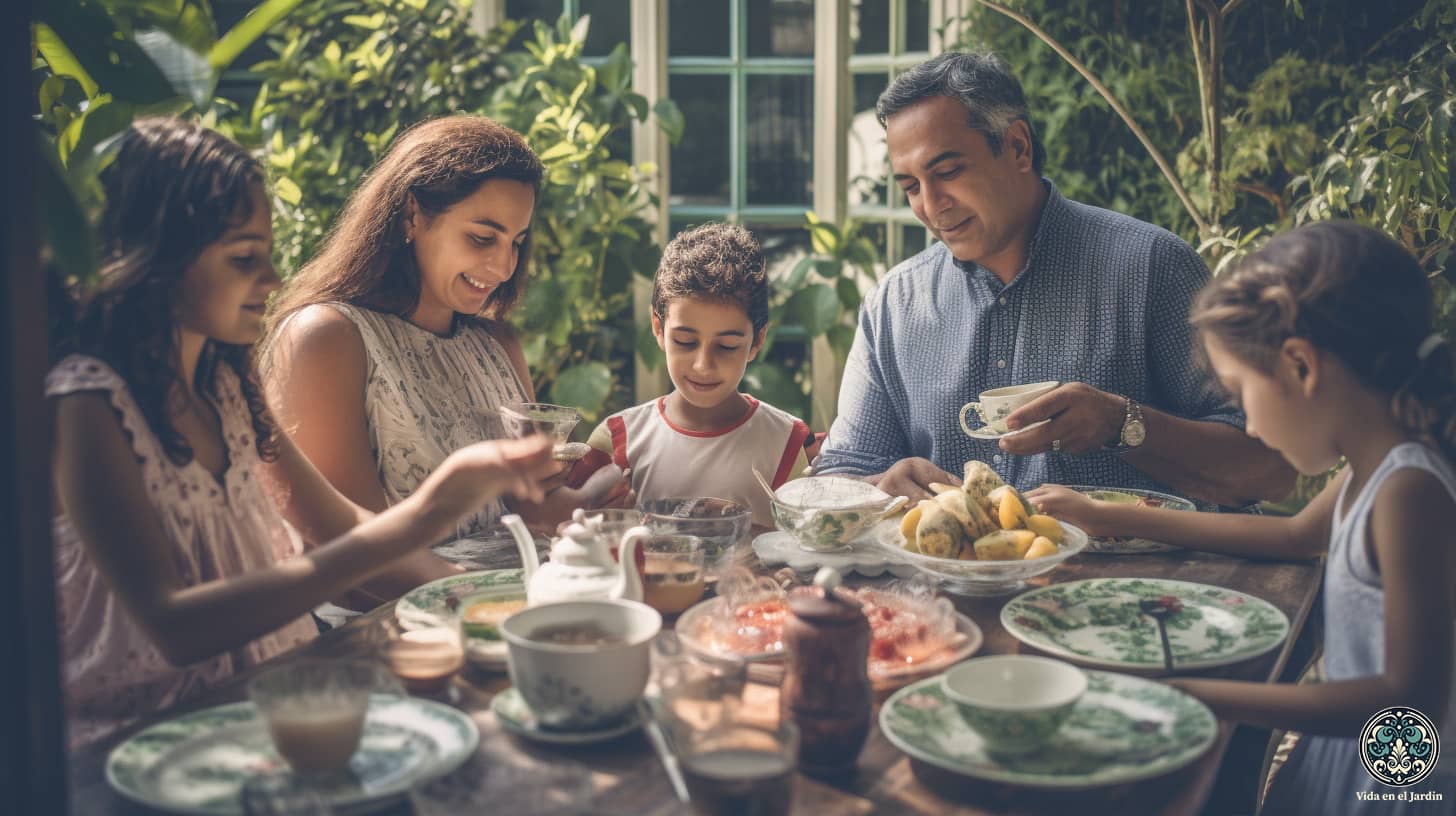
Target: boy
[709,313]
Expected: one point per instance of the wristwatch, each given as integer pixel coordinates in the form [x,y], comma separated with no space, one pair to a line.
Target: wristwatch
[1133,432]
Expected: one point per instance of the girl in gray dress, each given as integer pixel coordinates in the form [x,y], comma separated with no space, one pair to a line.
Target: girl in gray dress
[1325,337]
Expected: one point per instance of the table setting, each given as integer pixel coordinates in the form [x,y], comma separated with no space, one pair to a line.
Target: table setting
[669,644]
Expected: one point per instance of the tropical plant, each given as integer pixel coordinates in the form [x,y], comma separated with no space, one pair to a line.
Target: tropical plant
[348,75]
[818,297]
[339,91]
[101,63]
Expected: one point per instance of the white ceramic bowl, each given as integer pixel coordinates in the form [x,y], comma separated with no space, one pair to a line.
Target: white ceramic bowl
[824,513]
[1015,702]
[982,577]
[575,688]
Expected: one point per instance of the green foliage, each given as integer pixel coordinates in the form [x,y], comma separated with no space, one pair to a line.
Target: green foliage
[99,65]
[351,74]
[819,297]
[589,234]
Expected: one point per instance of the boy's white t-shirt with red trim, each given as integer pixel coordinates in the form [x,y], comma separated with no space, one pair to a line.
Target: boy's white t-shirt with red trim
[668,461]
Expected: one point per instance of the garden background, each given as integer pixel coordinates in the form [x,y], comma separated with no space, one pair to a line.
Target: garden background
[1223,122]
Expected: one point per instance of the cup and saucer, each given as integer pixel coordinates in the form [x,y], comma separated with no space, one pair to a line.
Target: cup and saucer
[578,670]
[996,405]
[515,715]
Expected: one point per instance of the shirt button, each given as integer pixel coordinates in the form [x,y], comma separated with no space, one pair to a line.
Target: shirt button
[996,458]
[1002,301]
[1000,363]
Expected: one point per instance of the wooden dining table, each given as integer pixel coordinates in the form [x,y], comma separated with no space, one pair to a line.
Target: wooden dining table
[624,776]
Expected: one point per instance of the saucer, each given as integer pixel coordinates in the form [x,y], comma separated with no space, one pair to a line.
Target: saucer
[515,716]
[987,433]
[778,547]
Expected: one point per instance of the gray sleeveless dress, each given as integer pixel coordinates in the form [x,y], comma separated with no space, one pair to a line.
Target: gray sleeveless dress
[1324,775]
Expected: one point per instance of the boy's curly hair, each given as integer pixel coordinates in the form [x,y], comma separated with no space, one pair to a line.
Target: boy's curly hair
[720,262]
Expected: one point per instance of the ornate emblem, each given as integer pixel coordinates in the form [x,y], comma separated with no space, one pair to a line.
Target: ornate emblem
[1399,746]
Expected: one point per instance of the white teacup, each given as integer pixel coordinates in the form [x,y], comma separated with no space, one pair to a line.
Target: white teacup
[999,403]
[577,687]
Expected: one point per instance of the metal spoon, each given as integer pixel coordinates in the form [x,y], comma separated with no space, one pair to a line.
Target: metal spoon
[1160,609]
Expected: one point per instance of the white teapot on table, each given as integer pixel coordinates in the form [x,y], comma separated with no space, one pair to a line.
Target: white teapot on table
[580,565]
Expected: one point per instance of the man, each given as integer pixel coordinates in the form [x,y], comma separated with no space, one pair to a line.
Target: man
[1026,286]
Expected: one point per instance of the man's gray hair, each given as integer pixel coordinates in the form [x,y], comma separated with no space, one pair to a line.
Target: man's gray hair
[980,81]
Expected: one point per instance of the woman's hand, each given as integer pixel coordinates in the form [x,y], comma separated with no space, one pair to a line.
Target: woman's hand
[1065,504]
[477,473]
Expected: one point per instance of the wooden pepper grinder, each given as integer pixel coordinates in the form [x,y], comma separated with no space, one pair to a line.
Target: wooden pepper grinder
[826,689]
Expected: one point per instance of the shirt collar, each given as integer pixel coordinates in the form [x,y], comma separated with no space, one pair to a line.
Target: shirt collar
[1051,211]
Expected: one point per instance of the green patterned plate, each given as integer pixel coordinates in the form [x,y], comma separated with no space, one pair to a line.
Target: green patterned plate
[1124,729]
[1097,622]
[198,762]
[423,604]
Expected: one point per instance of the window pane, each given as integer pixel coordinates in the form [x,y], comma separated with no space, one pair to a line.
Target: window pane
[869,26]
[780,130]
[917,25]
[698,28]
[865,156]
[780,28]
[548,10]
[912,240]
[611,23]
[700,159]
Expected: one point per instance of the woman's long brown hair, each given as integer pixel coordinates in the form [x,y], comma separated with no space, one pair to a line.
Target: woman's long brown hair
[365,261]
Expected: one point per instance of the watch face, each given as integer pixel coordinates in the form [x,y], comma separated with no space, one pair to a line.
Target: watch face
[1133,434]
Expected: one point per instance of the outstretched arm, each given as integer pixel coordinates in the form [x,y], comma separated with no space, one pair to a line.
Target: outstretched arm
[1301,537]
[1416,571]
[99,486]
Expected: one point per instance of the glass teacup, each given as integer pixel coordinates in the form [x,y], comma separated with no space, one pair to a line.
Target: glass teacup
[315,710]
[672,575]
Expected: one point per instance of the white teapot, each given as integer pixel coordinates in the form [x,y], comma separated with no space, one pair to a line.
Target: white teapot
[580,566]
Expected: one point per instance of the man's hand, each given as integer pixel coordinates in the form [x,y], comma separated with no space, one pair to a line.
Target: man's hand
[912,478]
[1083,420]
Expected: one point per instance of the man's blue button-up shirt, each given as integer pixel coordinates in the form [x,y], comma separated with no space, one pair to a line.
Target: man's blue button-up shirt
[1103,300]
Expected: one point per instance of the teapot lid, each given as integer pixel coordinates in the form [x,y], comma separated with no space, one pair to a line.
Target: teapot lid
[575,546]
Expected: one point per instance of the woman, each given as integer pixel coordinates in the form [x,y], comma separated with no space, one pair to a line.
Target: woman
[390,348]
[174,566]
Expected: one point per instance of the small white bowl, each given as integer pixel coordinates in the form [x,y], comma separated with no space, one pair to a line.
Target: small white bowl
[1015,702]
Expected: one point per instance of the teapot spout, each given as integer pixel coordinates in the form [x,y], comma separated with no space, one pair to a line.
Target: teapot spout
[525,545]
[629,581]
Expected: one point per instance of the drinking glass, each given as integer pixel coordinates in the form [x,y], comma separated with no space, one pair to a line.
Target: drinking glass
[696,692]
[523,419]
[741,768]
[672,572]
[315,709]
[426,655]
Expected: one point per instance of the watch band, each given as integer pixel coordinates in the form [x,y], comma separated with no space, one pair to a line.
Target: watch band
[1132,426]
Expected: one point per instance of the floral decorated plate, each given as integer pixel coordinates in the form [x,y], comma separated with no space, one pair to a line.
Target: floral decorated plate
[1130,495]
[1097,622]
[198,762]
[986,432]
[422,606]
[515,716]
[1123,729]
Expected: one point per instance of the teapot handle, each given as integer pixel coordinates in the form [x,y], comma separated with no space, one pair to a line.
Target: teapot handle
[525,545]
[629,583]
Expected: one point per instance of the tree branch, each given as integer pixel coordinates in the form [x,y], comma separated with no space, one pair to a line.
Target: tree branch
[1117,107]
